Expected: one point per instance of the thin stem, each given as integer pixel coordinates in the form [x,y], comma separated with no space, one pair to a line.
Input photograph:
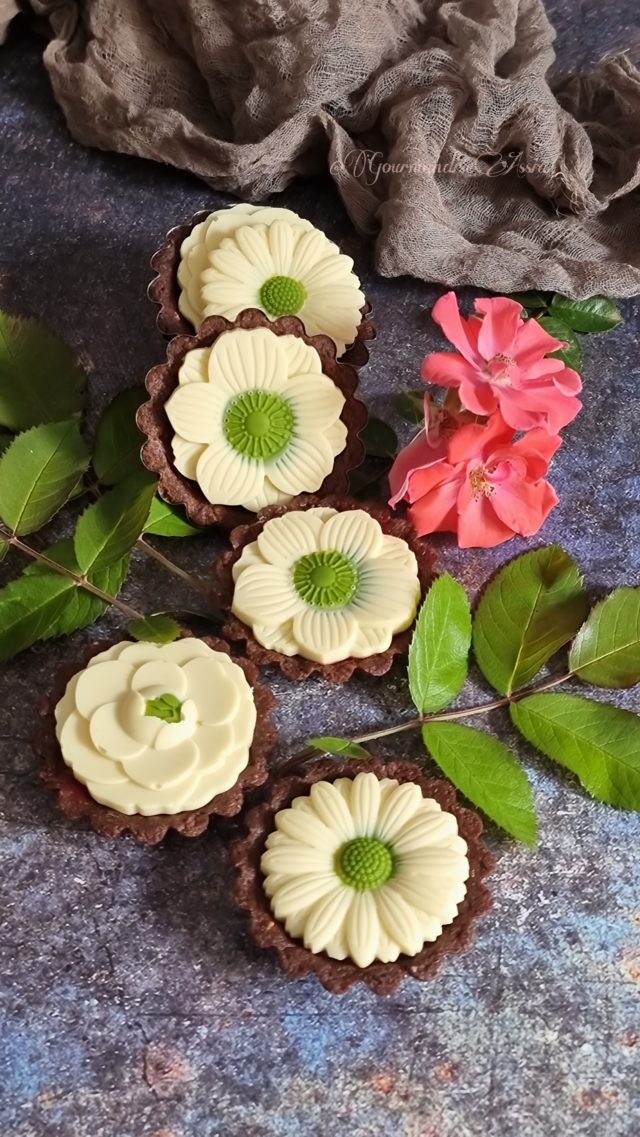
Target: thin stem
[80,581]
[444,716]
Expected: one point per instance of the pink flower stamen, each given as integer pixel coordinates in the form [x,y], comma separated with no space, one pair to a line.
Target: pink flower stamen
[498,369]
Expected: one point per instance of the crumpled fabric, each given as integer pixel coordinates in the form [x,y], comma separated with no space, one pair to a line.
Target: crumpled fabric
[436,121]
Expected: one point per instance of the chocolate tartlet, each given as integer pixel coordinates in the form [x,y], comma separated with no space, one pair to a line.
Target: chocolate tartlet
[295,666]
[337,975]
[164,290]
[164,384]
[73,797]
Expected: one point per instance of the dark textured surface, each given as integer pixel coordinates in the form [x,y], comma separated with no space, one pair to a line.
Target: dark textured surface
[132,1004]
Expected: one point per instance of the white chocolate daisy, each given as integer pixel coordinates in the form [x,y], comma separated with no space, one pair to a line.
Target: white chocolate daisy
[206,236]
[157,729]
[284,268]
[365,868]
[256,421]
[326,585]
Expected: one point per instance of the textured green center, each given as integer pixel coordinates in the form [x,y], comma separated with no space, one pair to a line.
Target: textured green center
[282,296]
[166,707]
[325,579]
[364,863]
[259,424]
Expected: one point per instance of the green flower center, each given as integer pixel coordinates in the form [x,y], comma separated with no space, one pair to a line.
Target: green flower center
[325,579]
[166,707]
[282,296]
[259,424]
[364,863]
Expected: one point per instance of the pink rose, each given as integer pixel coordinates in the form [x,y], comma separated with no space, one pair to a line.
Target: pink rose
[504,365]
[485,487]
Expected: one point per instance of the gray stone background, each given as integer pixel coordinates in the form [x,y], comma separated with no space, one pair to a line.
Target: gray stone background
[132,1003]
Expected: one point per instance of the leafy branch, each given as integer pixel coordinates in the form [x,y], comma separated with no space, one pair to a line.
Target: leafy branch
[533,607]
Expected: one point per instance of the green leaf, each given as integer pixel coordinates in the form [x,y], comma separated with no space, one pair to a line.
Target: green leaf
[530,299]
[166,521]
[40,380]
[38,473]
[380,439]
[81,607]
[439,651]
[597,314]
[339,746]
[487,773]
[410,404]
[156,629]
[598,743]
[606,651]
[531,608]
[28,609]
[108,529]
[571,355]
[166,707]
[118,440]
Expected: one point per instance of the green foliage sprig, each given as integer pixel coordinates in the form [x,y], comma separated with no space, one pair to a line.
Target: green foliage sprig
[46,461]
[533,607]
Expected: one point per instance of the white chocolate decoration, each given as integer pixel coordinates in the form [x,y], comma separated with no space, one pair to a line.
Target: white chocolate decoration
[326,585]
[272,260]
[365,868]
[157,729]
[256,420]
[207,235]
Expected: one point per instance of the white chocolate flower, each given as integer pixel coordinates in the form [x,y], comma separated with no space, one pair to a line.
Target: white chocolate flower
[157,729]
[285,267]
[207,235]
[256,421]
[326,585]
[365,868]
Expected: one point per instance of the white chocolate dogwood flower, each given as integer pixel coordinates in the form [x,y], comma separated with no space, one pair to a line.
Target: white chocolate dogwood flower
[365,868]
[285,269]
[256,421]
[326,585]
[207,235]
[156,729]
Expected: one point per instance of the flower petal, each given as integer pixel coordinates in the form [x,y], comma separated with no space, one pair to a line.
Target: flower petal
[80,753]
[195,412]
[227,477]
[186,456]
[400,921]
[301,357]
[446,314]
[277,637]
[479,527]
[387,594]
[307,829]
[365,803]
[195,366]
[372,639]
[425,829]
[397,809]
[363,929]
[303,466]
[331,807]
[354,533]
[500,326]
[265,594]
[103,683]
[246,358]
[295,860]
[215,688]
[324,636]
[326,918]
[447,369]
[212,744]
[316,401]
[159,677]
[157,769]
[285,539]
[300,892]
[109,736]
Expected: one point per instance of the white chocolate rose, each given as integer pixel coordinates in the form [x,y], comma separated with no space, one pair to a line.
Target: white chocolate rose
[326,585]
[365,868]
[157,729]
[256,421]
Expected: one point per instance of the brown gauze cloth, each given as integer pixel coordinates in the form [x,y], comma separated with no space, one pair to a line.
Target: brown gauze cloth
[435,120]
